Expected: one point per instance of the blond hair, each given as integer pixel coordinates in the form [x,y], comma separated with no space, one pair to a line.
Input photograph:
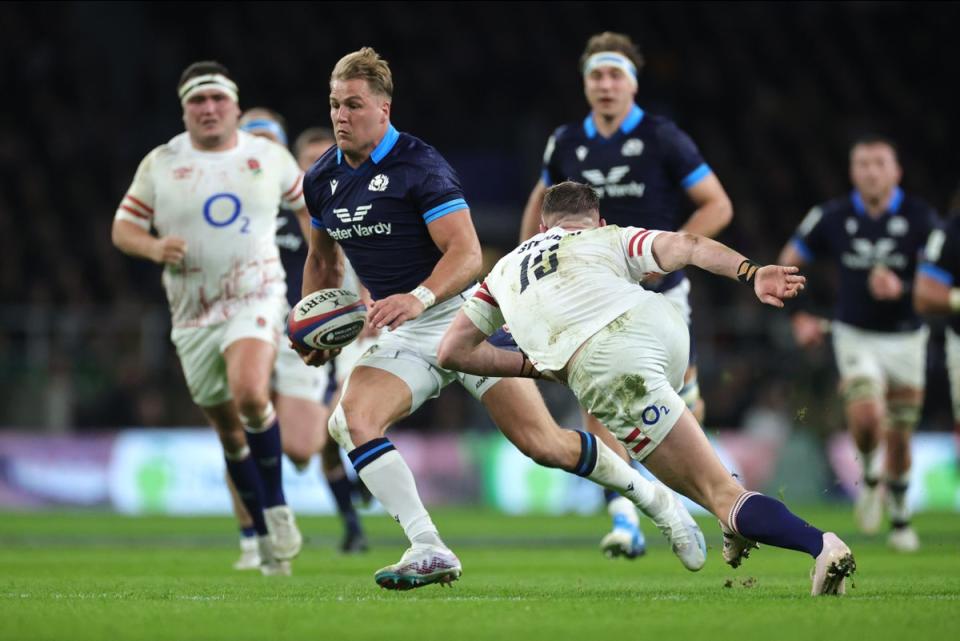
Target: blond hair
[368,65]
[610,41]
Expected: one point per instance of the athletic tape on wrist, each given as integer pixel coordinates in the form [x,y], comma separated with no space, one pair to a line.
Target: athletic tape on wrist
[747,271]
[425,296]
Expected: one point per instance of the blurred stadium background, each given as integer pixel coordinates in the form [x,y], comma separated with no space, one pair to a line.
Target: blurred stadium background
[772,92]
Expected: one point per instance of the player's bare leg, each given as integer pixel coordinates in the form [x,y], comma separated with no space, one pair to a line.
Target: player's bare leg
[686,462]
[372,401]
[517,408]
[249,364]
[904,406]
[625,537]
[866,419]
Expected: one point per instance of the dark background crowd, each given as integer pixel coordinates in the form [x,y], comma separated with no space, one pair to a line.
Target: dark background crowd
[773,93]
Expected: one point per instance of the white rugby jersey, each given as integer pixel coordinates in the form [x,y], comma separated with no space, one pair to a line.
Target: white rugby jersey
[561,287]
[224,204]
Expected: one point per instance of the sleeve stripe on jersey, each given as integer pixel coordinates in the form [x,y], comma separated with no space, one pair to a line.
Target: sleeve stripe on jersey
[294,197]
[485,297]
[317,223]
[936,273]
[296,183]
[636,243]
[696,176]
[140,204]
[446,208]
[133,211]
[802,248]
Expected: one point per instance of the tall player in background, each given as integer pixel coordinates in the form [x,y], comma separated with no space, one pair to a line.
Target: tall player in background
[301,393]
[397,209]
[211,194]
[873,236]
[937,291]
[647,172]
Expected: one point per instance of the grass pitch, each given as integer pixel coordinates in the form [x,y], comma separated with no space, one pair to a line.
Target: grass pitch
[81,576]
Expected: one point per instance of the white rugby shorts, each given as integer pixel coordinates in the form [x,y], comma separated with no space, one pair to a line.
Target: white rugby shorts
[953,369]
[410,354]
[891,359]
[628,374]
[200,349]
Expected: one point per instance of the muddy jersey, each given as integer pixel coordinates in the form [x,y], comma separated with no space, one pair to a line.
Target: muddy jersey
[561,287]
[224,205]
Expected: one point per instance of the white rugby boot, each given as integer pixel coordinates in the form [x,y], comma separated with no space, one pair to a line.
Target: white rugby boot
[904,539]
[832,567]
[284,535]
[868,508]
[683,533]
[270,565]
[736,548]
[420,565]
[249,554]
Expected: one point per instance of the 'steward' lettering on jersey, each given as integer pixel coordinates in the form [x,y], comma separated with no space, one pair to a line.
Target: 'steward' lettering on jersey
[380,211]
[224,205]
[842,230]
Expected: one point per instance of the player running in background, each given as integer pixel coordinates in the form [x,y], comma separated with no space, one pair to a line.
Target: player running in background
[300,393]
[211,194]
[396,207]
[571,298]
[873,236]
[937,291]
[647,172]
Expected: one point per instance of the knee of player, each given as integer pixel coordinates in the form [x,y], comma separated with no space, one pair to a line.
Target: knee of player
[350,429]
[252,403]
[299,452]
[447,357]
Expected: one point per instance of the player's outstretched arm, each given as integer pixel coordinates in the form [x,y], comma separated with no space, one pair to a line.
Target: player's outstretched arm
[136,241]
[464,348]
[530,224]
[455,236]
[771,283]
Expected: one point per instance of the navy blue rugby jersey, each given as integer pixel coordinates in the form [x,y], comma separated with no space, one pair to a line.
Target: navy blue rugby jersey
[641,172]
[379,211]
[293,252]
[941,260]
[842,230]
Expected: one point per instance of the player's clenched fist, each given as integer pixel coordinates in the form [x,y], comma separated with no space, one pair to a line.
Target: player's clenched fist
[169,250]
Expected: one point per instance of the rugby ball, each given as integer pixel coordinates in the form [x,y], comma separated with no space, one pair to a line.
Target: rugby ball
[326,319]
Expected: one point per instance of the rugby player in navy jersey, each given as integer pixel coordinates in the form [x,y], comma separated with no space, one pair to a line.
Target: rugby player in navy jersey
[874,236]
[396,208]
[648,173]
[301,393]
[937,291]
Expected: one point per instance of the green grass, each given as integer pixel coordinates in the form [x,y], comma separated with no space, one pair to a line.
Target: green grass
[77,576]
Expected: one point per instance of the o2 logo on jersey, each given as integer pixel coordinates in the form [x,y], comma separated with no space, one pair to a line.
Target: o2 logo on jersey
[223,209]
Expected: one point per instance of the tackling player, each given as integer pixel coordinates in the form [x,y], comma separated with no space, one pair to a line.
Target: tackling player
[873,236]
[211,194]
[301,393]
[647,172]
[396,207]
[571,298]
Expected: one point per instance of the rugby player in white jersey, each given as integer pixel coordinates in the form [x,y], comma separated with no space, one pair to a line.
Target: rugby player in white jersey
[396,208]
[211,196]
[572,299]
